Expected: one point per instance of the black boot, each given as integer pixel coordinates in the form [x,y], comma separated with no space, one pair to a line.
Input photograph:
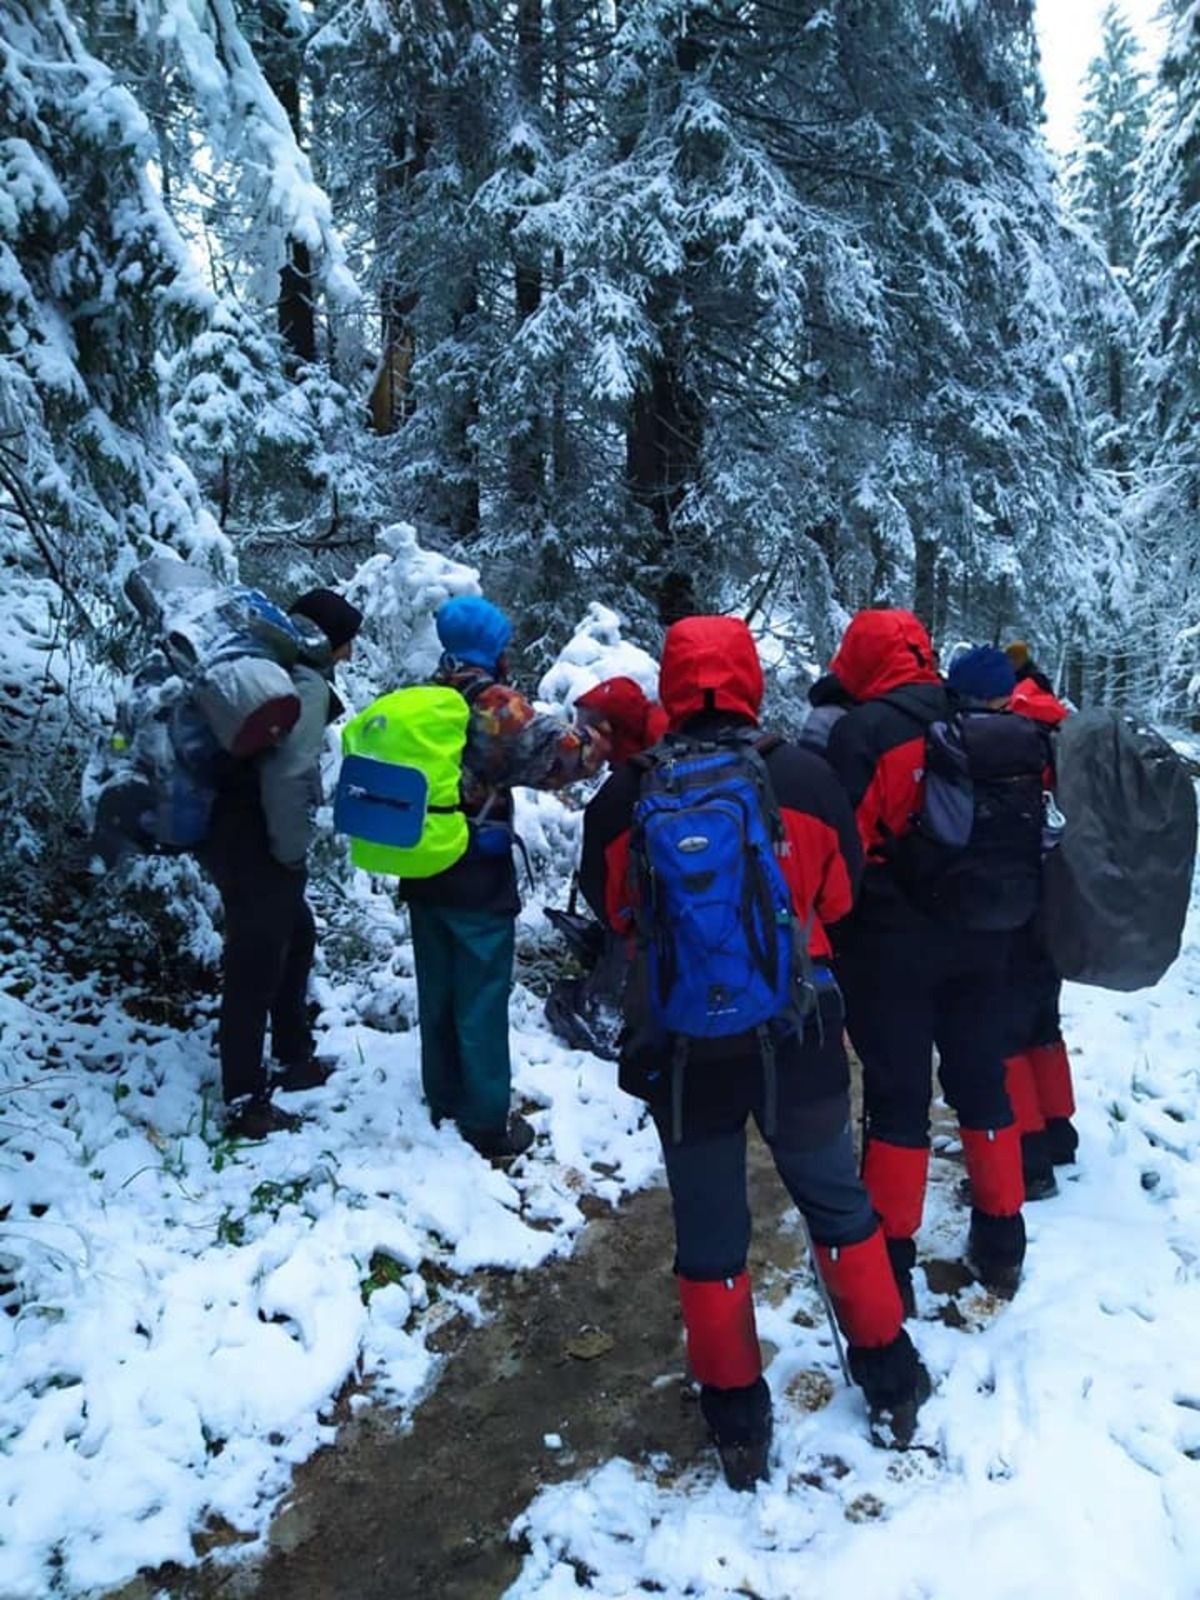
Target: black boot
[996,1250]
[1037,1168]
[896,1385]
[311,1073]
[740,1423]
[1062,1140]
[902,1253]
[255,1117]
[505,1143]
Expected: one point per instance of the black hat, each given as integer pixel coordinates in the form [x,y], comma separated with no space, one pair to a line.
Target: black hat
[337,619]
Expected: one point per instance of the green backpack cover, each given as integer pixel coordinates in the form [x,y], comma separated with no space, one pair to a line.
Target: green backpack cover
[422,729]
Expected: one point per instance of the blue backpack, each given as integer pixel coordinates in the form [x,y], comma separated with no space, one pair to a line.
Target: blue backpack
[723,951]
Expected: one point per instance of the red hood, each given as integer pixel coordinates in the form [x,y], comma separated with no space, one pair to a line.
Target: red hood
[636,721]
[1037,704]
[709,664]
[881,650]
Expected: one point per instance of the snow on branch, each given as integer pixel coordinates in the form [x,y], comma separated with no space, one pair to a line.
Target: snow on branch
[248,128]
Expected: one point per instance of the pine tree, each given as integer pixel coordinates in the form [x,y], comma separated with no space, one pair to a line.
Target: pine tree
[1168,217]
[95,282]
[1101,180]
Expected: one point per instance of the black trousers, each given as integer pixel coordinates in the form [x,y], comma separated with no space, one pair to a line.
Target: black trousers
[813,1149]
[1034,993]
[269,944]
[911,986]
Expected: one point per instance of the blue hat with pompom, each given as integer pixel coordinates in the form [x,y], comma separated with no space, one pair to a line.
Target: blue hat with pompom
[472,629]
[983,673]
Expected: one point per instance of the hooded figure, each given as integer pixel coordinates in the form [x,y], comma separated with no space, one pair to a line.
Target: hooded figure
[634,721]
[463,920]
[789,1073]
[913,981]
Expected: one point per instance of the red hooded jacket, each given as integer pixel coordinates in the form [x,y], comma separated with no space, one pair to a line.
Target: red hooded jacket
[711,681]
[877,749]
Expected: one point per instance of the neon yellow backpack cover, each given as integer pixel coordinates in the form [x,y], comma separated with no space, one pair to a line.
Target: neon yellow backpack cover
[426,728]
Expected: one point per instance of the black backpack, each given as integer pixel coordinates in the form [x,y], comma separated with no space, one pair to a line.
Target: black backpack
[1117,891]
[973,853]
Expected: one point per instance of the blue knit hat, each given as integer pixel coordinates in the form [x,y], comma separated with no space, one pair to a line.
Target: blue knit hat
[983,673]
[473,629]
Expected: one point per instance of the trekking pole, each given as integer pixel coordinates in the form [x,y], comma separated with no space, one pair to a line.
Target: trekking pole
[828,1304]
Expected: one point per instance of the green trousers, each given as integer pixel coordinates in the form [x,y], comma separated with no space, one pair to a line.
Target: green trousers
[464,963]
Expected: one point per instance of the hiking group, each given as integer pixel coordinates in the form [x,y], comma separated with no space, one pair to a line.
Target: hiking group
[904,875]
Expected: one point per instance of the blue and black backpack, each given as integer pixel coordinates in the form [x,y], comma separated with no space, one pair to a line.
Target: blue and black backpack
[721,948]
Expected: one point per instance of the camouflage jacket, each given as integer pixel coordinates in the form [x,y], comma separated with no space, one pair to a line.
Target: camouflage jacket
[510,745]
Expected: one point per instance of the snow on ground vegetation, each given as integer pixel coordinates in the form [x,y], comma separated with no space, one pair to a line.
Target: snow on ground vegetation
[1060,1453]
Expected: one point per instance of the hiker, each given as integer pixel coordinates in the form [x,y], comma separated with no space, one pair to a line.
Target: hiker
[256,853]
[634,721]
[464,918]
[584,1010]
[727,1017]
[1025,667]
[1037,1068]
[917,974]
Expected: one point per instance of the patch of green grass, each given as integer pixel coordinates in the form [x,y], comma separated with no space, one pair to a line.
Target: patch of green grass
[268,1197]
[231,1229]
[384,1270]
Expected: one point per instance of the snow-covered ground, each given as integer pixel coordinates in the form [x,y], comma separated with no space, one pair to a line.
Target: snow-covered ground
[183,1312]
[1060,1453]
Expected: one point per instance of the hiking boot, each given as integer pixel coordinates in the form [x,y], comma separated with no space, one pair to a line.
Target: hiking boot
[995,1251]
[896,1385]
[739,1421]
[511,1141]
[256,1117]
[746,1465]
[1062,1139]
[312,1073]
[1037,1168]
[902,1253]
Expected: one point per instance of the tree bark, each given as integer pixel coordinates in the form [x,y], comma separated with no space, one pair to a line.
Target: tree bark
[527,452]
[296,312]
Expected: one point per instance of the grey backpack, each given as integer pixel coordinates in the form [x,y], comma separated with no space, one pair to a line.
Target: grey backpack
[1116,890]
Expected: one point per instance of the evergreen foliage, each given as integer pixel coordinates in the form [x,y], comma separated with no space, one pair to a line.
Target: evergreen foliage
[1167,274]
[768,307]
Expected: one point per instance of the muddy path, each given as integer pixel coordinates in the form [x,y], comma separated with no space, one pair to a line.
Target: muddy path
[385,1514]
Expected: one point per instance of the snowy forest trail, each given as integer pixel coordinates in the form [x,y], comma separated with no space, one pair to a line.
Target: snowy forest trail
[585,1352]
[190,1322]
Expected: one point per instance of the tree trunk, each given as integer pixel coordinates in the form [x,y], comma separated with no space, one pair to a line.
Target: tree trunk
[925,552]
[526,456]
[391,400]
[295,310]
[665,427]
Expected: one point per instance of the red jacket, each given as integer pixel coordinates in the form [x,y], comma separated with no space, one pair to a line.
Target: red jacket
[1030,700]
[710,681]
[885,661]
